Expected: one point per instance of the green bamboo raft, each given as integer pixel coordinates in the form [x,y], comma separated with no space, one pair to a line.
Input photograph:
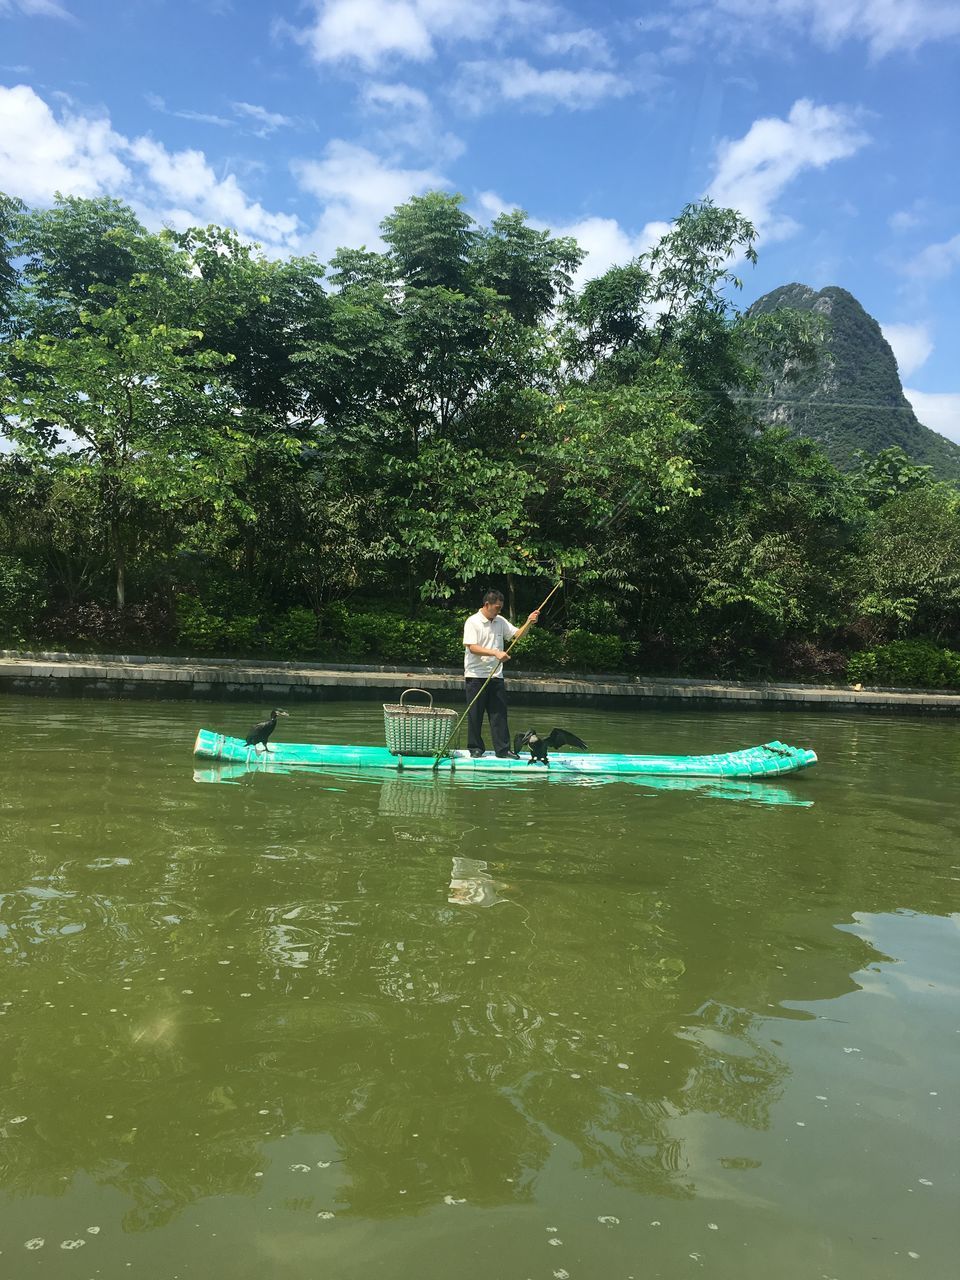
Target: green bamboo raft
[770,760]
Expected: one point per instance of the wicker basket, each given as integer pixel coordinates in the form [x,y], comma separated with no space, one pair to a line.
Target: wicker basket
[417,730]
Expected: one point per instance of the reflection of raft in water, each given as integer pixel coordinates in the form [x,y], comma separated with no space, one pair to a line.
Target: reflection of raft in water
[421,794]
[767,761]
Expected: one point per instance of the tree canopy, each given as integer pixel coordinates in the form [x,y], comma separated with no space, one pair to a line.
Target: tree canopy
[201,430]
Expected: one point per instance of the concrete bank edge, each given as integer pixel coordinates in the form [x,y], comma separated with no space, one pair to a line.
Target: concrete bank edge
[220,679]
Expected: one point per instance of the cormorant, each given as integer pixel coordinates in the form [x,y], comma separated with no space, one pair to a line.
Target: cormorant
[260,733]
[538,746]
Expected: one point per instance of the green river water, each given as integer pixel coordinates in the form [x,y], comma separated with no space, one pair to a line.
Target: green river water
[309,1026]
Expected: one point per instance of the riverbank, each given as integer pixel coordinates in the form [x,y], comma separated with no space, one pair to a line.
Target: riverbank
[229,679]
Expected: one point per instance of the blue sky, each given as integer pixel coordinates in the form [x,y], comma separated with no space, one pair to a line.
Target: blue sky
[833,124]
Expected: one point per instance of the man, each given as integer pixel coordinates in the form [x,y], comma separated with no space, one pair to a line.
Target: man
[485,637]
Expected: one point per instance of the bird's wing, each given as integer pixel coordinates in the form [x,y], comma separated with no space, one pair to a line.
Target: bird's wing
[558,738]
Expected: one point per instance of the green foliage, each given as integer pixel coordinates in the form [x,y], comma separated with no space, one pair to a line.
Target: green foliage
[105,360]
[21,599]
[908,572]
[539,650]
[432,239]
[201,630]
[389,637]
[432,637]
[912,664]
[268,445]
[887,475]
[583,651]
[10,211]
[463,513]
[530,269]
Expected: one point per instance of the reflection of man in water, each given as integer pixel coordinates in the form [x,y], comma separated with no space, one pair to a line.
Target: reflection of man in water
[470,886]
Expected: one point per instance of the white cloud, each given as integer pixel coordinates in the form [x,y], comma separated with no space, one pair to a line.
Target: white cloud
[489,205]
[905,219]
[753,171]
[394,97]
[34,8]
[373,31]
[484,84]
[607,244]
[269,121]
[407,122]
[938,410]
[40,155]
[911,345]
[187,179]
[936,261]
[155,101]
[586,42]
[203,117]
[81,155]
[357,189]
[885,26]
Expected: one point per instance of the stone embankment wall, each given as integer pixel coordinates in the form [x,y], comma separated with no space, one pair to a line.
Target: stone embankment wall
[124,676]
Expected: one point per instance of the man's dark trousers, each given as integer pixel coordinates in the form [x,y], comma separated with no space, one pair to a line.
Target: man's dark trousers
[492,702]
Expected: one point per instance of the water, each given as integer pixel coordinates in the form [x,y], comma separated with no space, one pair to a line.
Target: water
[301,1025]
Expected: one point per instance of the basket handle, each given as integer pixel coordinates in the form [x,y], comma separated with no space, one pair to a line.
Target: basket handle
[423,691]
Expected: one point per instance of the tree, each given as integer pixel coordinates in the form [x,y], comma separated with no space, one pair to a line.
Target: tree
[907,575]
[105,366]
[262,314]
[888,474]
[431,240]
[11,210]
[531,269]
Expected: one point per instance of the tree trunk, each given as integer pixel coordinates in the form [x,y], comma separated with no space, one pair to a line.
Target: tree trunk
[511,597]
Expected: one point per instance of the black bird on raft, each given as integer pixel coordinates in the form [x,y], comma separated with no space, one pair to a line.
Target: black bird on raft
[538,747]
[260,733]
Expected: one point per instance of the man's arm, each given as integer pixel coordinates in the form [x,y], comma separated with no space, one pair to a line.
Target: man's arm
[488,653]
[521,631]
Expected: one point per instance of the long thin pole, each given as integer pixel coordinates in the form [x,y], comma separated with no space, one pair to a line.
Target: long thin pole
[519,636]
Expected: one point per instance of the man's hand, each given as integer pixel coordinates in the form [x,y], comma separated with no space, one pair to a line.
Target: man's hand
[534,617]
[501,654]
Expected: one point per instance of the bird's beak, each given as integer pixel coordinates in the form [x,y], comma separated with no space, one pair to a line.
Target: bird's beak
[283,713]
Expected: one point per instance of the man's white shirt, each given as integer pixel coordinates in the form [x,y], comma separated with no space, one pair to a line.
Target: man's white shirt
[489,633]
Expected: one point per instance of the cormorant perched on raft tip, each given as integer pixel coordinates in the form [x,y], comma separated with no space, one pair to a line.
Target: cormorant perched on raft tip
[538,747]
[260,733]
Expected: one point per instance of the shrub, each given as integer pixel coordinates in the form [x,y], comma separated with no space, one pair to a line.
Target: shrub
[917,664]
[584,651]
[21,599]
[369,635]
[541,650]
[811,660]
[373,636]
[292,634]
[200,630]
[139,628]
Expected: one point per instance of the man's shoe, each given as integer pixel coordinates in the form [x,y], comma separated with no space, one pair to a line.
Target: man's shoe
[476,751]
[507,755]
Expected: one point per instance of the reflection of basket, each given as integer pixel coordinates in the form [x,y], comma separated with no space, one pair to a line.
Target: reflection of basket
[416,731]
[414,795]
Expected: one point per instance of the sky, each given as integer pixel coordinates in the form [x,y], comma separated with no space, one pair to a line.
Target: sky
[832,124]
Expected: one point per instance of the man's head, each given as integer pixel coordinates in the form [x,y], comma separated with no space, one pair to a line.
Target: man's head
[492,604]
